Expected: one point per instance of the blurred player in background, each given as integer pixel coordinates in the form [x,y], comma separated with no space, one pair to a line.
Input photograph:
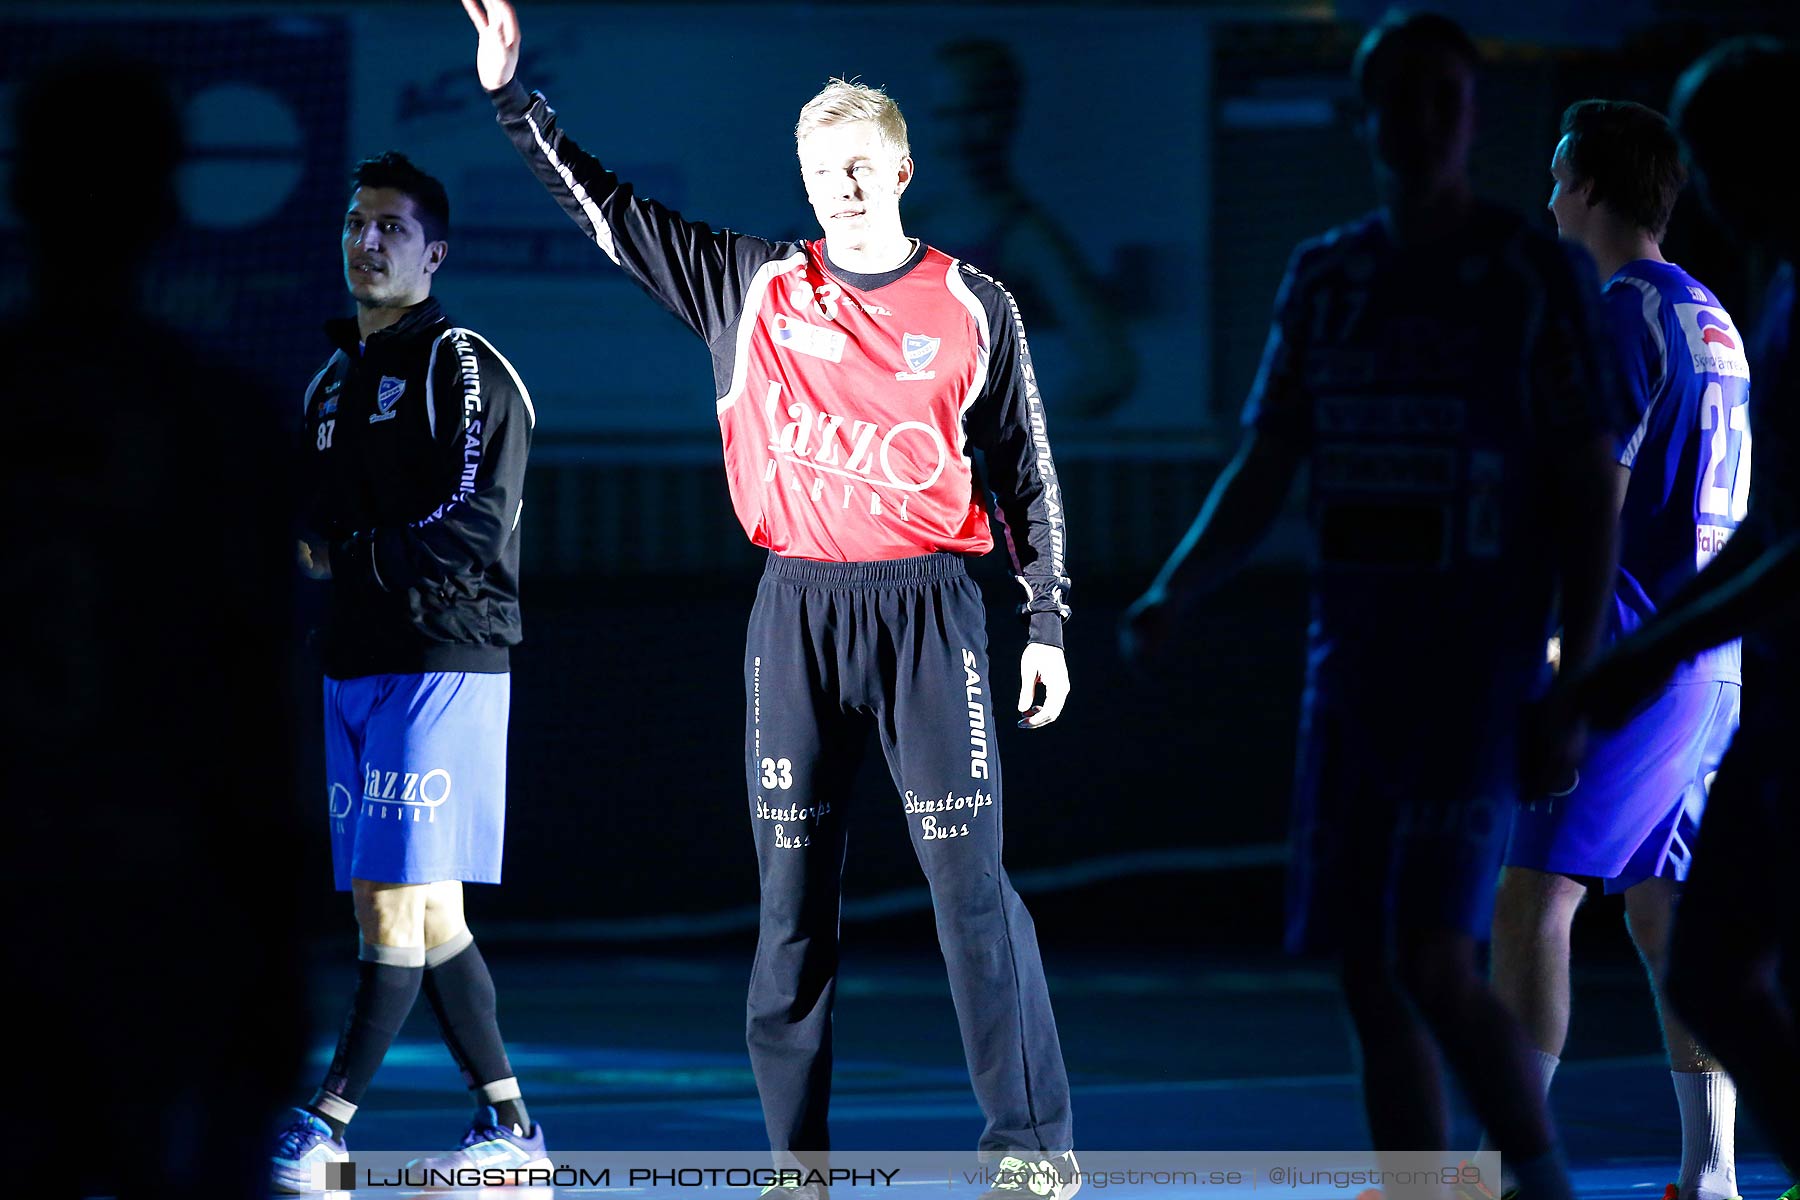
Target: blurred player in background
[1734,956]
[1682,481]
[1440,367]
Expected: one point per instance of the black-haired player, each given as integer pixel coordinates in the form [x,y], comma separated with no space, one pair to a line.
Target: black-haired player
[414,440]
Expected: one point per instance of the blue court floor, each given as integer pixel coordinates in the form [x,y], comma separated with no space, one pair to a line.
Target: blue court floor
[644,1052]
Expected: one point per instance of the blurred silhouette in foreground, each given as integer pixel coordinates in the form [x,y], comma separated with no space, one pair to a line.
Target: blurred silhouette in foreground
[149,858]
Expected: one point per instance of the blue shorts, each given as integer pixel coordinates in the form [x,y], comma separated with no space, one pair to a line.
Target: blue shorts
[1635,813]
[1397,824]
[415,771]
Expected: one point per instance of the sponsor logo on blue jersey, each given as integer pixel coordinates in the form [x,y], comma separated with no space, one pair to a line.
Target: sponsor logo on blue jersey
[387,395]
[1693,439]
[1713,340]
[1714,330]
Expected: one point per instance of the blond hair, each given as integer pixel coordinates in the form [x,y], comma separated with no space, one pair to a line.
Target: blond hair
[842,101]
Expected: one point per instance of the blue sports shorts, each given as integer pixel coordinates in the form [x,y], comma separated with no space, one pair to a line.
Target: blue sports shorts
[415,770]
[1636,810]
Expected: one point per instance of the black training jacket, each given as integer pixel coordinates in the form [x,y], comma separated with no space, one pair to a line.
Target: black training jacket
[413,452]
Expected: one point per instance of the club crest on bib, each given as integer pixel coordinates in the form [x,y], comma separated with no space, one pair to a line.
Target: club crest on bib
[918,350]
[387,395]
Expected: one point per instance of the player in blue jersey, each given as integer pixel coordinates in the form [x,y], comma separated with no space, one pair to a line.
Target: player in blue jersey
[1734,955]
[1439,366]
[1683,479]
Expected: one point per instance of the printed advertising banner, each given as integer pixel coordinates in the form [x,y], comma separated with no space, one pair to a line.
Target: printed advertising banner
[1062,151]
[1047,155]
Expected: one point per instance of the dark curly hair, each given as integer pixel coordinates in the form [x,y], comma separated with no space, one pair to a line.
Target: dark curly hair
[394,170]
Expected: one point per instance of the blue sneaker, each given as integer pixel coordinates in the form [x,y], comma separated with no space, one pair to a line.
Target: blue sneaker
[301,1152]
[488,1146]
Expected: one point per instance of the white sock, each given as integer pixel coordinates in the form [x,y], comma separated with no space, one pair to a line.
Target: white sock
[1708,1101]
[1544,1066]
[1544,1177]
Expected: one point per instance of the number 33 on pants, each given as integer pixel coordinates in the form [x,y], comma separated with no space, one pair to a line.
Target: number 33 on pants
[777,773]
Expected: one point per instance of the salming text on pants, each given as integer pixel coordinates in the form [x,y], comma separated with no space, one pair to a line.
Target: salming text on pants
[831,647]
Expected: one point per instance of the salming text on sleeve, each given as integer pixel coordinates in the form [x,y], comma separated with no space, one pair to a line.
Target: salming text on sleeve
[415,443]
[481,418]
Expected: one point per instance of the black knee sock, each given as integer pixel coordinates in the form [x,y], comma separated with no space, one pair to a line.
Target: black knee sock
[387,984]
[461,992]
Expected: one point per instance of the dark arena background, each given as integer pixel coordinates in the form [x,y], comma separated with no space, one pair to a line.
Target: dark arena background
[1137,175]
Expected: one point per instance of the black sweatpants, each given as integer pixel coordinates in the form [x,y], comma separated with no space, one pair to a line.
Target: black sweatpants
[903,643]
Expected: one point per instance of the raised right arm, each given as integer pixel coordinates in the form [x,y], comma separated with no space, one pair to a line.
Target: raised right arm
[694,271]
